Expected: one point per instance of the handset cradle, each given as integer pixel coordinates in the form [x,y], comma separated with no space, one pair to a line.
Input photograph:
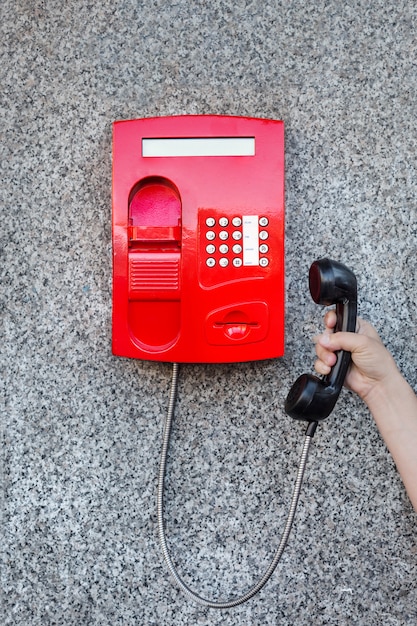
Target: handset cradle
[312,398]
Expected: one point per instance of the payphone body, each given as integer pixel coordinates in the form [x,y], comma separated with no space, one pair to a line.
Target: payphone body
[198,239]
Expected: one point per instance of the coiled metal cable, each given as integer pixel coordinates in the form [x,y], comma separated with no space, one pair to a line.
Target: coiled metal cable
[222,604]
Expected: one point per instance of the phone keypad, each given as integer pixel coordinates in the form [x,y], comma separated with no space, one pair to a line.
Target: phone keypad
[237,242]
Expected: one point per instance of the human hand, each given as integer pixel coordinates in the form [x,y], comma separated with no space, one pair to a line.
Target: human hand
[374,376]
[371,361]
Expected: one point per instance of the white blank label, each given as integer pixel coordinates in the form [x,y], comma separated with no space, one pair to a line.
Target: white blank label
[198,146]
[250,239]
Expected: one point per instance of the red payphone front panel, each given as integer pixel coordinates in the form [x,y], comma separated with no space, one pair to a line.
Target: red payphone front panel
[198,239]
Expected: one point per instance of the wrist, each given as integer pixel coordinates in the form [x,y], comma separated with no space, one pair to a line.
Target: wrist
[384,393]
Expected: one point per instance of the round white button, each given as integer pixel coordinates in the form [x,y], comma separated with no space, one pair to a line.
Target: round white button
[263,248]
[223,234]
[223,221]
[263,221]
[237,262]
[237,221]
[210,249]
[210,235]
[263,235]
[263,262]
[237,235]
[237,248]
[224,262]
[224,248]
[211,262]
[210,221]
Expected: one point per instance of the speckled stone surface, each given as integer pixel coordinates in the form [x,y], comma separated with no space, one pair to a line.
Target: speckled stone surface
[81,429]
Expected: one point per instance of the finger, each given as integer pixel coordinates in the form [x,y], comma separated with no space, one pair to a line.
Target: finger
[326,356]
[321,368]
[330,320]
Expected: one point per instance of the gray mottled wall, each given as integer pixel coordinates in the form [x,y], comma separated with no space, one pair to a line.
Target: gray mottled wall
[82,429]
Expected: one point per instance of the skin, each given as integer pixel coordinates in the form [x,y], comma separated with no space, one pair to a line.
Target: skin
[374,376]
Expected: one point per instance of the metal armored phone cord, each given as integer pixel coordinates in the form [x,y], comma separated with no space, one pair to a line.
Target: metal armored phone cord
[225,604]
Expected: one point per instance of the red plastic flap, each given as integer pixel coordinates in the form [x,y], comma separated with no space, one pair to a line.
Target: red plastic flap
[244,322]
[154,233]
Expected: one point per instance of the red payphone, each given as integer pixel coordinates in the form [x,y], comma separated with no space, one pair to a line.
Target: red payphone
[198,238]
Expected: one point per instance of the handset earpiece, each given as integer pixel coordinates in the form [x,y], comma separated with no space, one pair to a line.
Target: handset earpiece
[312,398]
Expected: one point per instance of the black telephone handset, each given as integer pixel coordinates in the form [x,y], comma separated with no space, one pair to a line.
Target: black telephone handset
[312,398]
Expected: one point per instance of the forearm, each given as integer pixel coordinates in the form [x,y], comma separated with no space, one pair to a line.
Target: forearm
[394,408]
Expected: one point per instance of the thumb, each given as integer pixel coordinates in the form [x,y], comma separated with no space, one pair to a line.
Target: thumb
[351,342]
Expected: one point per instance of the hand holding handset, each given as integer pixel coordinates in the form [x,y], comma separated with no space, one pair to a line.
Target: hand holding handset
[312,398]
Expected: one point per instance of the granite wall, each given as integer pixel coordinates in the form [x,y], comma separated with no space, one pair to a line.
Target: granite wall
[81,429]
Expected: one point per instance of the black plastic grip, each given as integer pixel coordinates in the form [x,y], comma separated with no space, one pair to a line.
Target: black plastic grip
[312,398]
